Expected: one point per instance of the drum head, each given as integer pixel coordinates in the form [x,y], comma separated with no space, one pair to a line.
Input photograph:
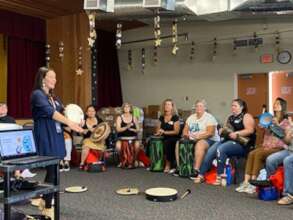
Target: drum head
[74,113]
[161,194]
[127,138]
[101,132]
[76,189]
[265,119]
[127,191]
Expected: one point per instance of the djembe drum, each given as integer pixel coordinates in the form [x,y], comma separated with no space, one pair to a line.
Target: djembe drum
[127,152]
[186,157]
[156,153]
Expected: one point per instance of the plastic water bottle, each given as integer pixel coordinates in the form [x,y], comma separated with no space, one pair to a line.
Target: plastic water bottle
[228,173]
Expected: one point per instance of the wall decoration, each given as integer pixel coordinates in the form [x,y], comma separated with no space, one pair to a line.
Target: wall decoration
[234,53]
[47,52]
[79,70]
[192,50]
[174,37]
[119,36]
[92,22]
[142,60]
[215,49]
[255,42]
[61,50]
[129,52]
[155,55]
[277,42]
[157,29]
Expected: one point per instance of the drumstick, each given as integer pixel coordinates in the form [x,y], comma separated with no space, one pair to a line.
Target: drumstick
[188,191]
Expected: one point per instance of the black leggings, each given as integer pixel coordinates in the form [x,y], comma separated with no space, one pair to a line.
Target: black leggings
[51,179]
[169,149]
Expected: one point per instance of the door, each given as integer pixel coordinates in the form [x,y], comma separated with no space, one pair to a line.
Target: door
[253,88]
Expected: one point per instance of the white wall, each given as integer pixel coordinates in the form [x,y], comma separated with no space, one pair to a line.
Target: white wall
[177,77]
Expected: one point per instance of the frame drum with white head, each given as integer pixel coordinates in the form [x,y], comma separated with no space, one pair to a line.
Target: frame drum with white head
[161,194]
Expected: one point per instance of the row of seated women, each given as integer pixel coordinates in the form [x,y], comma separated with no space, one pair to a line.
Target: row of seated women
[202,128]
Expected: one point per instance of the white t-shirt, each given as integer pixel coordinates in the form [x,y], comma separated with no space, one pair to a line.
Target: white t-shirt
[200,124]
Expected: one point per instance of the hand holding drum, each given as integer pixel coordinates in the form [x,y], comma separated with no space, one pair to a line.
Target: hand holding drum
[227,131]
[76,117]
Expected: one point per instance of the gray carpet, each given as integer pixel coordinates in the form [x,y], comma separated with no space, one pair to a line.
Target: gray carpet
[205,202]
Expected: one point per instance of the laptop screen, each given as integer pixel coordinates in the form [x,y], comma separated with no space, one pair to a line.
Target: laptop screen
[16,144]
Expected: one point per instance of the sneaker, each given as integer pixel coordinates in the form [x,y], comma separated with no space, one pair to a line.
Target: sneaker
[286,200]
[66,166]
[250,189]
[27,174]
[242,187]
[172,171]
[193,175]
[176,173]
[48,212]
[61,166]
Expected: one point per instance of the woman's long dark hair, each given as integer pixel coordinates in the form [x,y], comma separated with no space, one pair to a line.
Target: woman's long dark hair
[242,104]
[283,104]
[41,74]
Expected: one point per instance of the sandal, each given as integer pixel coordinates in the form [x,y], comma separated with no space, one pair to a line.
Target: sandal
[199,179]
[286,200]
[218,181]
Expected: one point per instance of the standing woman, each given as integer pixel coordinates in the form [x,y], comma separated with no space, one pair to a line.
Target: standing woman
[48,131]
[169,128]
[127,126]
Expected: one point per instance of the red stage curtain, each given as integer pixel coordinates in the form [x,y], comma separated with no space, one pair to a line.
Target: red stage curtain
[22,26]
[24,59]
[26,41]
[108,75]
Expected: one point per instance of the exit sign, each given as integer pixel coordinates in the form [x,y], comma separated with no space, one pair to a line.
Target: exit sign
[266,58]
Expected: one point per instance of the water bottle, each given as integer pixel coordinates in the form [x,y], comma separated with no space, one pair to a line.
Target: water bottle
[228,173]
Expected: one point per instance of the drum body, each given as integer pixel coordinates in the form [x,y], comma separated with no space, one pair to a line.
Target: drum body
[161,194]
[156,153]
[186,157]
[127,152]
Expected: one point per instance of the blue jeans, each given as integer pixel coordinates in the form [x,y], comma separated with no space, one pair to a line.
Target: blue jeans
[288,174]
[211,154]
[225,150]
[275,160]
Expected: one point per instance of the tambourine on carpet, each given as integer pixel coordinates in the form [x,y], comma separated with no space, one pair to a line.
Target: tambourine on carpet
[100,201]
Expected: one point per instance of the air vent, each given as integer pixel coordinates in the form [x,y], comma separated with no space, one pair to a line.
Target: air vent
[102,5]
[163,4]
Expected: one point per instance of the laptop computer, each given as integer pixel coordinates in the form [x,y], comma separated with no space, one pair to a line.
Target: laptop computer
[17,147]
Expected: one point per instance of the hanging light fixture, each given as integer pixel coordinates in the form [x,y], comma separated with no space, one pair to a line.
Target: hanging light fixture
[277,42]
[155,55]
[255,42]
[234,53]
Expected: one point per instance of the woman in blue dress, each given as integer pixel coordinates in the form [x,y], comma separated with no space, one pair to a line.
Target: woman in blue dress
[48,120]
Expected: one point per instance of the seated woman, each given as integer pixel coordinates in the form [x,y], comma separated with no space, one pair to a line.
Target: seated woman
[202,128]
[168,127]
[242,124]
[127,126]
[91,121]
[270,145]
